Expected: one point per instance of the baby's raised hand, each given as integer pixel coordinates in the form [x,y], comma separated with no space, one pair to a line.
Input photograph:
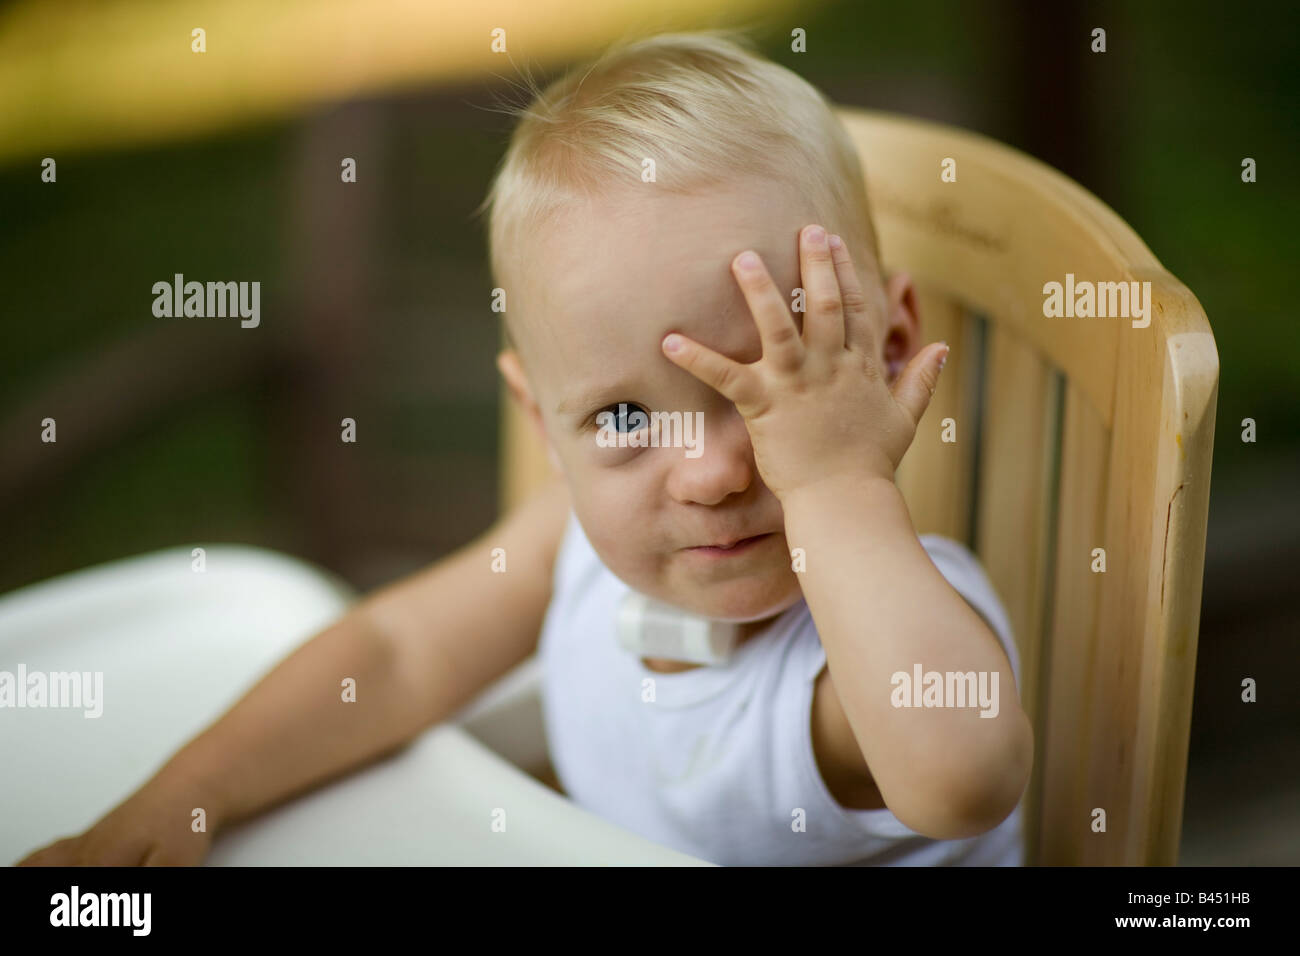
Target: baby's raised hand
[817,405]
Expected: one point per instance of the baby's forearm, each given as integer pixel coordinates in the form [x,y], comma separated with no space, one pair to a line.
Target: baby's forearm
[881,607]
[292,730]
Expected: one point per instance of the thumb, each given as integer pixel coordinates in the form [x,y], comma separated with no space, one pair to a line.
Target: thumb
[915,386]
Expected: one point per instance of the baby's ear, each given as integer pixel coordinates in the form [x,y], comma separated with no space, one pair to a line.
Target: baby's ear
[512,371]
[521,391]
[901,335]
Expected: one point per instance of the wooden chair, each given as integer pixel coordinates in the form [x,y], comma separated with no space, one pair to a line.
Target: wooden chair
[1072,434]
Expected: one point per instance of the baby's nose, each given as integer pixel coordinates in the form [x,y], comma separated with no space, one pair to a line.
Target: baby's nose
[717,463]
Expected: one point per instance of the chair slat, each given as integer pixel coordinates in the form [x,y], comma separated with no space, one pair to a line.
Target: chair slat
[935,476]
[1058,799]
[1016,461]
[1015,507]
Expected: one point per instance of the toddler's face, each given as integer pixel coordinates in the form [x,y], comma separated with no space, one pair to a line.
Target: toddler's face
[600,289]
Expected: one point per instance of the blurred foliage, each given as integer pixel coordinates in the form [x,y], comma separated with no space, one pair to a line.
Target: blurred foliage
[1184,92]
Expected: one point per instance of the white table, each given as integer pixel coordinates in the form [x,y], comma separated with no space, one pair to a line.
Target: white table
[177,647]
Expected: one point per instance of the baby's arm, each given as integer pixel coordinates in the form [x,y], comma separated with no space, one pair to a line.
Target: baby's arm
[881,606]
[419,650]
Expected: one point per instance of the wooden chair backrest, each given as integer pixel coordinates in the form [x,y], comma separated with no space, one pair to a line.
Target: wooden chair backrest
[1072,434]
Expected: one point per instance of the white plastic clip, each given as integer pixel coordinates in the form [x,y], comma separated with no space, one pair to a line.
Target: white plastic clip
[650,628]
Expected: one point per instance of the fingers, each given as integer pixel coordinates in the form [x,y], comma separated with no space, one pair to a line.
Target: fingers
[782,346]
[731,379]
[858,332]
[823,324]
[916,385]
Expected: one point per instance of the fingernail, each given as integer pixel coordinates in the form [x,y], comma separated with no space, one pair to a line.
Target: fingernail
[943,361]
[747,261]
[835,241]
[816,234]
[672,343]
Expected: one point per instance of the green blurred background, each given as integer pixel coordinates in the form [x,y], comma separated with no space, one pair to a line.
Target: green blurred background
[375,305]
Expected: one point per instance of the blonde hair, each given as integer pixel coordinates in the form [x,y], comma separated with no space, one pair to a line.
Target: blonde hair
[705,106]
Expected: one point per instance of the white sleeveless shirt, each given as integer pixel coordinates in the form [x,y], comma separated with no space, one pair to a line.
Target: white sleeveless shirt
[720,763]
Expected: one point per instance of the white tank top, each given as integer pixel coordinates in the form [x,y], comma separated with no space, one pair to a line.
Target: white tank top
[719,765]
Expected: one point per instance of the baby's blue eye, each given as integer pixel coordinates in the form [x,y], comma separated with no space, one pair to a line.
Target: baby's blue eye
[633,416]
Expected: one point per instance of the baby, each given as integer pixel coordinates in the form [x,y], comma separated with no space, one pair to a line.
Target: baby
[654,220]
[681,227]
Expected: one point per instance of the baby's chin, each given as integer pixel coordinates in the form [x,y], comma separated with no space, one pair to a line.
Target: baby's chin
[752,598]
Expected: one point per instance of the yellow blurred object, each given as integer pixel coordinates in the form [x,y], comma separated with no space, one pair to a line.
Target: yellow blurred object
[88,75]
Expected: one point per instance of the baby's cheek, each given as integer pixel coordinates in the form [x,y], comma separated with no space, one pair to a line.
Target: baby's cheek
[620,550]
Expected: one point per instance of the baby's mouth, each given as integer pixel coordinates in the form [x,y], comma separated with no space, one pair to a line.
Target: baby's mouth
[740,545]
